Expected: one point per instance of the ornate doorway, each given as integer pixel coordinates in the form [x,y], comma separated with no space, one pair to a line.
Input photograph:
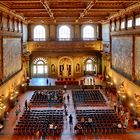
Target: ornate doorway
[39,68]
[65,67]
[90,67]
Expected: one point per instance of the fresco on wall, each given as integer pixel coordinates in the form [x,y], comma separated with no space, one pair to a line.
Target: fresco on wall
[137,58]
[121,55]
[11,56]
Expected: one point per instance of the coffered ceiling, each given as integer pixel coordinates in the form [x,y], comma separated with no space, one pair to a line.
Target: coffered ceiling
[68,11]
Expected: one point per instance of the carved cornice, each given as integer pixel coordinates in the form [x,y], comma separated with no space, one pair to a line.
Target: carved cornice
[11,12]
[126,32]
[125,11]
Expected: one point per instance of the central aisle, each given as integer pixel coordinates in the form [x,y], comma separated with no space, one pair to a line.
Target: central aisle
[68,130]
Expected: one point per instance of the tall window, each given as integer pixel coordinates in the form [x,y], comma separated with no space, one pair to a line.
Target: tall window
[64,33]
[129,23]
[40,67]
[39,33]
[122,25]
[89,65]
[113,26]
[88,32]
[138,21]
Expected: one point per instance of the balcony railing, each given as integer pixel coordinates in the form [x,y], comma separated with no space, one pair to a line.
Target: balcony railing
[65,39]
[40,39]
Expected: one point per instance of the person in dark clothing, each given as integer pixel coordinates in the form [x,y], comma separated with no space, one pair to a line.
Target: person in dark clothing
[47,81]
[65,106]
[26,105]
[70,119]
[68,97]
[66,113]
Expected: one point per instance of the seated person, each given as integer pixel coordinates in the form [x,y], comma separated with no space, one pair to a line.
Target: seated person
[114,125]
[43,93]
[77,127]
[119,125]
[89,119]
[56,126]
[1,126]
[138,118]
[135,123]
[82,120]
[51,126]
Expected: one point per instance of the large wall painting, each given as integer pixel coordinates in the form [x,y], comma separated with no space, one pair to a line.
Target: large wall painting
[137,58]
[121,55]
[11,56]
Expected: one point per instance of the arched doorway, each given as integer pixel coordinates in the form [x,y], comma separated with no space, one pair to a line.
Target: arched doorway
[39,68]
[65,67]
[90,67]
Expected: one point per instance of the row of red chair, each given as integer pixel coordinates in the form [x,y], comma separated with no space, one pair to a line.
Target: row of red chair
[66,82]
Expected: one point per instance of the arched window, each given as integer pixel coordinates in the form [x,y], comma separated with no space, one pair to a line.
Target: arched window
[89,65]
[39,33]
[88,32]
[64,33]
[40,68]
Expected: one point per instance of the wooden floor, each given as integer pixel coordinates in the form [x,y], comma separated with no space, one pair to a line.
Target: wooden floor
[68,133]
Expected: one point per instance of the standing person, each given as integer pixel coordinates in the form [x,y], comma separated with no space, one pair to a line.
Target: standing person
[26,105]
[126,122]
[94,81]
[19,108]
[64,98]
[115,106]
[65,106]
[70,119]
[17,112]
[47,81]
[66,114]
[75,106]
[90,81]
[68,97]
[65,87]
[29,106]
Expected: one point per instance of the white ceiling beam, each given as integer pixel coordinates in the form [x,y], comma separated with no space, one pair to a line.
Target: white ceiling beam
[46,6]
[89,6]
